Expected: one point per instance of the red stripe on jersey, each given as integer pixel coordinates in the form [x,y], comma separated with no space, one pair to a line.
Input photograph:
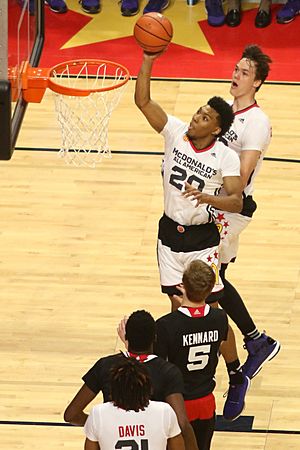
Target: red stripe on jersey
[241,111]
[199,311]
[201,408]
[202,149]
[140,357]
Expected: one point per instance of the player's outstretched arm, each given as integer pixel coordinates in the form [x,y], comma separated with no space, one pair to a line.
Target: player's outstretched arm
[175,443]
[177,403]
[249,159]
[91,445]
[74,413]
[155,115]
[232,202]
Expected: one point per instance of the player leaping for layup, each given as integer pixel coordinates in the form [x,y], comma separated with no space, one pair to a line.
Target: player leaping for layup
[194,155]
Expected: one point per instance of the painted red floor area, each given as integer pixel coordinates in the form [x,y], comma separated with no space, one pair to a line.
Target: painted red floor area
[281,42]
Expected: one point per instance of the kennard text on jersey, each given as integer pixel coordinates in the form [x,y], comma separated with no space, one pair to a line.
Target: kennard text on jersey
[200,338]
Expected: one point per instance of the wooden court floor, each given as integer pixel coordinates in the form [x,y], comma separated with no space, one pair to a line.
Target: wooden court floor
[78,252]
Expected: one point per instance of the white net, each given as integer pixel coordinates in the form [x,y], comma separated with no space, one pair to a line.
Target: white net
[84,120]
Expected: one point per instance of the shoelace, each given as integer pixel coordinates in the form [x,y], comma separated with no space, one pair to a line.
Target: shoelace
[234,396]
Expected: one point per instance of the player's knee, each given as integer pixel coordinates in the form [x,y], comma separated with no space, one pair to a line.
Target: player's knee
[222,271]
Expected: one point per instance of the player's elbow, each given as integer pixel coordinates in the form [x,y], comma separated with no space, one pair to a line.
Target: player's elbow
[188,435]
[68,415]
[140,102]
[236,204]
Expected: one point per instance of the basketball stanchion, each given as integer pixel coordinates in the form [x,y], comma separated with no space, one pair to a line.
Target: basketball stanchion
[86,93]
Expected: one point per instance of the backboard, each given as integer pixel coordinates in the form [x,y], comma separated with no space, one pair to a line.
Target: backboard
[22,39]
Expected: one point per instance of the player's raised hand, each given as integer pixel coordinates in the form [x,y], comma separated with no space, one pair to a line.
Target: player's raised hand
[180,299]
[152,55]
[121,331]
[181,288]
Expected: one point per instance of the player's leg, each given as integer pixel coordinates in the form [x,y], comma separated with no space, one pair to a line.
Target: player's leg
[261,348]
[170,272]
[201,413]
[230,228]
[178,246]
[239,383]
[234,306]
[204,430]
[172,266]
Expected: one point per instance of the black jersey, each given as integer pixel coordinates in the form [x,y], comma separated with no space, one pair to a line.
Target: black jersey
[165,377]
[190,338]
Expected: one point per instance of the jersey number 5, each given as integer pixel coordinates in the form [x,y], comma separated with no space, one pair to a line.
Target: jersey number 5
[198,357]
[179,174]
[132,445]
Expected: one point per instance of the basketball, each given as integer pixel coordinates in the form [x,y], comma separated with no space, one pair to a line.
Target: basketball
[153,32]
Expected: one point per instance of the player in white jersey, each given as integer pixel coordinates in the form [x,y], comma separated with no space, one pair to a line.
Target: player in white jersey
[131,419]
[194,156]
[249,136]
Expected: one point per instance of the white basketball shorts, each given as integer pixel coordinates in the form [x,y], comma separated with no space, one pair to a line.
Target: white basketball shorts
[230,226]
[172,265]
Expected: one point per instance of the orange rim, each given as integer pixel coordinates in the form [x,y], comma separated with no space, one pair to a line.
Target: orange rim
[65,90]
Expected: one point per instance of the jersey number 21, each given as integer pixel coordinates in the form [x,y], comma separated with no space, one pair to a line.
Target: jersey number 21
[130,444]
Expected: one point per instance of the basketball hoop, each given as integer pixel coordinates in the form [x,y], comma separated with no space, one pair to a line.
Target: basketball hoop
[86,93]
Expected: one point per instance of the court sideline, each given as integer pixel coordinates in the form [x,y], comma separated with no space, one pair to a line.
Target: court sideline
[78,252]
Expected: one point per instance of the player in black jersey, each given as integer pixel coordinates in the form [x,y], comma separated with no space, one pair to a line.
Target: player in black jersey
[131,419]
[166,378]
[191,338]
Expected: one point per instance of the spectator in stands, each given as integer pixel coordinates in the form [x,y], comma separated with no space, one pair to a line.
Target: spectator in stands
[216,16]
[131,7]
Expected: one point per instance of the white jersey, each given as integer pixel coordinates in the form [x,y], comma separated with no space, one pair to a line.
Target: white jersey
[204,169]
[114,427]
[251,130]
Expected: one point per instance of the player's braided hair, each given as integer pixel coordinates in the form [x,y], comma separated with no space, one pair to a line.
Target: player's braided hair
[130,385]
[140,331]
[224,111]
[261,60]
[198,279]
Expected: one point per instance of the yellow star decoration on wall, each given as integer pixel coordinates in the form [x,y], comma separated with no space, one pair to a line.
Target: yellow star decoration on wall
[110,24]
